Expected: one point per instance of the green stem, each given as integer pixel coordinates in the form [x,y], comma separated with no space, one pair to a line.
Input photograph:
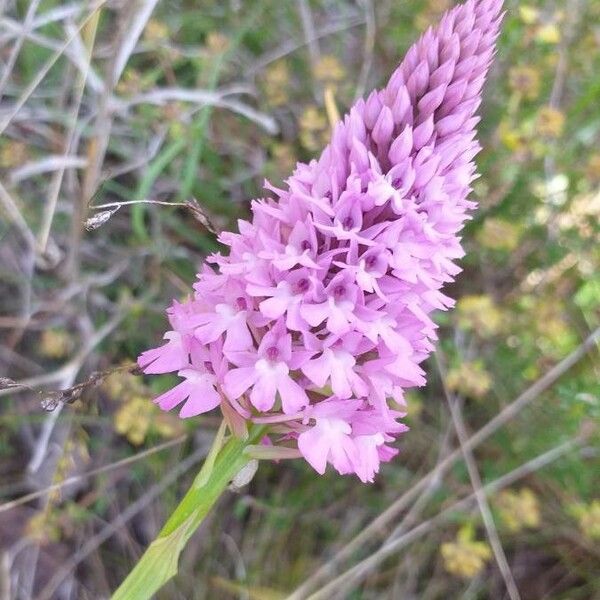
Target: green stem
[159,562]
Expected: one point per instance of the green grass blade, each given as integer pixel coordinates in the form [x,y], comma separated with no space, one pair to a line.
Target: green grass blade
[161,162]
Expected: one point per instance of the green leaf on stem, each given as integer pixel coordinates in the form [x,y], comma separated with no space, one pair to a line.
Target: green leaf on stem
[159,562]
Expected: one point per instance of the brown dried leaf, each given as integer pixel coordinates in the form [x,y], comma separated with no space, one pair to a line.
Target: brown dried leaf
[198,213]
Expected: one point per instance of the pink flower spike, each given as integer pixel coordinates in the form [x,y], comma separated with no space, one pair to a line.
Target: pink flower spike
[317,316]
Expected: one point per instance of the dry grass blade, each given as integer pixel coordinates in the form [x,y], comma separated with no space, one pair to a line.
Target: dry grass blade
[109,530]
[140,17]
[45,69]
[218,98]
[291,46]
[482,503]
[370,33]
[66,377]
[57,180]
[354,575]
[47,164]
[99,471]
[12,59]
[14,214]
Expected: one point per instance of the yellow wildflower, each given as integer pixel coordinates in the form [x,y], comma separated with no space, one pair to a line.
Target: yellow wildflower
[276,83]
[465,557]
[529,14]
[548,34]
[469,379]
[284,157]
[498,234]
[313,128]
[592,169]
[216,43]
[133,419]
[137,415]
[479,313]
[550,122]
[55,343]
[329,70]
[518,510]
[12,154]
[515,139]
[525,80]
[156,31]
[588,517]
[43,528]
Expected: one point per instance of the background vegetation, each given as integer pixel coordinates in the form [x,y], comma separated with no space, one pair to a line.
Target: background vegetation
[178,100]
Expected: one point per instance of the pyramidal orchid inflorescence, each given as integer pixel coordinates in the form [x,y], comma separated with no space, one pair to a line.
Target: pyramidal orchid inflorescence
[319,316]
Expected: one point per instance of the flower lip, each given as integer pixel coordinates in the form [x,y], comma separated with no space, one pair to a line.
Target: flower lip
[340,292]
[348,223]
[302,285]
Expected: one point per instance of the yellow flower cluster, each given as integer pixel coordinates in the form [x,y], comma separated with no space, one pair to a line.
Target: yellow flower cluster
[588,517]
[329,71]
[518,510]
[133,419]
[216,43]
[525,80]
[276,81]
[138,416]
[314,129]
[498,234]
[465,557]
[550,122]
[55,343]
[156,31]
[546,30]
[12,154]
[478,313]
[469,379]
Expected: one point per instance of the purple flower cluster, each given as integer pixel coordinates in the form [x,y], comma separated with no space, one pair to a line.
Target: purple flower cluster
[319,316]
